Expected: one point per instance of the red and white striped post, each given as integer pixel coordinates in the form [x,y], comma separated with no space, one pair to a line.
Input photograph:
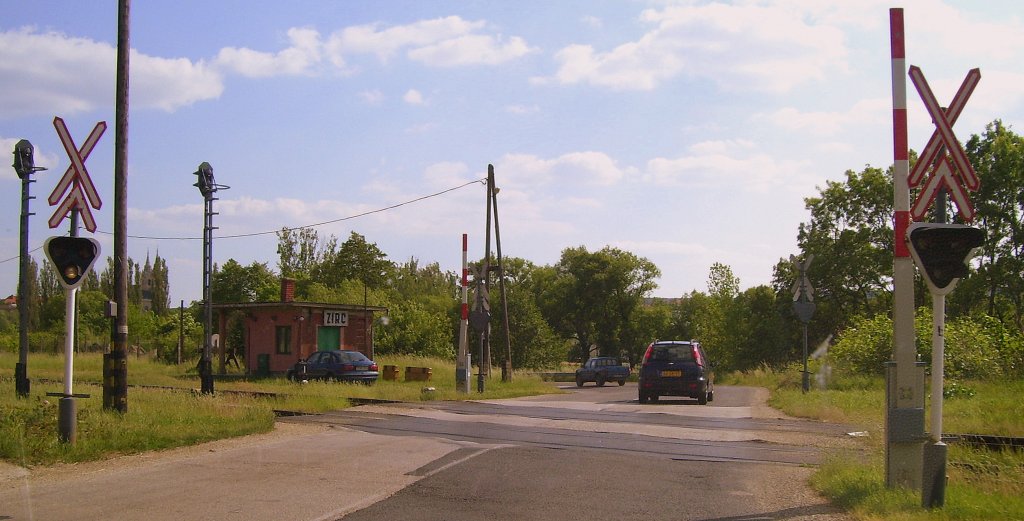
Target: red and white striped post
[462,364]
[905,382]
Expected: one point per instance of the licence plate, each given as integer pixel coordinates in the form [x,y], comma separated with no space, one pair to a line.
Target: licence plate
[671,373]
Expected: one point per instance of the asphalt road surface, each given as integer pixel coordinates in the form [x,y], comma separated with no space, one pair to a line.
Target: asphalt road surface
[590,453]
[598,453]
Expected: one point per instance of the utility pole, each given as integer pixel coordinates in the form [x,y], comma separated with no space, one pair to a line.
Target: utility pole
[115,363]
[24,165]
[506,367]
[462,365]
[485,357]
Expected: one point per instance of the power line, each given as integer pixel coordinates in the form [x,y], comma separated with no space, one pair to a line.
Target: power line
[254,234]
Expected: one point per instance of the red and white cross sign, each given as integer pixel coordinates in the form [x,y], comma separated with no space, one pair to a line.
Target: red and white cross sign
[943,176]
[81,193]
[931,150]
[941,143]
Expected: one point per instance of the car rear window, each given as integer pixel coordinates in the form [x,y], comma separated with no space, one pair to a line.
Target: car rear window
[673,352]
[353,356]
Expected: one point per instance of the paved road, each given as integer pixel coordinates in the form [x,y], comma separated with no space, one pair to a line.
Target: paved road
[534,458]
[597,453]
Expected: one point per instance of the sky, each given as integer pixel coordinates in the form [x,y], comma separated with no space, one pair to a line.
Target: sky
[688,133]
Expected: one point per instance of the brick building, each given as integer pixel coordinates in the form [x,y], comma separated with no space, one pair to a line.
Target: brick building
[279,334]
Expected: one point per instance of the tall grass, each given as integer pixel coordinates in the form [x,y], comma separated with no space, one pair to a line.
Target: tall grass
[164,411]
[983,484]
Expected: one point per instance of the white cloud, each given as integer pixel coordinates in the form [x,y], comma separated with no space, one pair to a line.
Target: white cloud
[54,73]
[522,109]
[386,42]
[592,21]
[413,97]
[728,165]
[299,58]
[372,97]
[830,123]
[447,174]
[741,47]
[471,49]
[593,168]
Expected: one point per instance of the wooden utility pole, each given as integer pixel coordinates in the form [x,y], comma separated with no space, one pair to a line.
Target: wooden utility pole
[115,363]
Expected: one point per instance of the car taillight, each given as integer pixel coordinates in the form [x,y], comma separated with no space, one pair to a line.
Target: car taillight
[348,367]
[373,367]
[647,354]
[696,356]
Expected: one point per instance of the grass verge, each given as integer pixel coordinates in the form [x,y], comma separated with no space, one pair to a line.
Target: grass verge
[171,414]
[983,484]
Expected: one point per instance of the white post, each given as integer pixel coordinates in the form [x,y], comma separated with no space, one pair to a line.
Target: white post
[69,339]
[904,388]
[938,363]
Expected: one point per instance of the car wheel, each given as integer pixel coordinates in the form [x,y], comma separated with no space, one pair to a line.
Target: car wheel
[290,376]
[579,381]
[702,399]
[622,382]
[644,398]
[600,381]
[711,396]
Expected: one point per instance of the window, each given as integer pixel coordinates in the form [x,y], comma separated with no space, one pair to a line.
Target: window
[284,340]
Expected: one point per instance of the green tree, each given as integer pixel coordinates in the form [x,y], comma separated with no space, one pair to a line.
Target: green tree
[591,296]
[850,233]
[415,330]
[998,288]
[299,252]
[235,283]
[533,343]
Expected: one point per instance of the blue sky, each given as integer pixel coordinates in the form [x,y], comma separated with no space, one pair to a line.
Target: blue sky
[688,133]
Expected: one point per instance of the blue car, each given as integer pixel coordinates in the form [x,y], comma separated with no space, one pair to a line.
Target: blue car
[336,364]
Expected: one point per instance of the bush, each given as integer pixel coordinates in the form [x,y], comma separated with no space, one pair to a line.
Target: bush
[975,347]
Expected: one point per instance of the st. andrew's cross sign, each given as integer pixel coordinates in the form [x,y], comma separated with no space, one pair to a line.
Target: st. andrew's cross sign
[953,170]
[81,193]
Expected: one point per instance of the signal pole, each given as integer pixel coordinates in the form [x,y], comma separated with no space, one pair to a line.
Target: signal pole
[904,421]
[207,186]
[24,165]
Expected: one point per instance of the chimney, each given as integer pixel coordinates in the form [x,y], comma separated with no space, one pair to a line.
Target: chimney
[287,289]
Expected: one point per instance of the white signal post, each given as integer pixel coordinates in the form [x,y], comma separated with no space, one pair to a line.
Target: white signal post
[904,424]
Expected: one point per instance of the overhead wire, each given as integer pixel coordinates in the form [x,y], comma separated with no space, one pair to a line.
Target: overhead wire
[293,228]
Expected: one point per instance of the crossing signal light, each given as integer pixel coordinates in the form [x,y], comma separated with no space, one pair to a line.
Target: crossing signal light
[205,183]
[24,159]
[942,251]
[72,257]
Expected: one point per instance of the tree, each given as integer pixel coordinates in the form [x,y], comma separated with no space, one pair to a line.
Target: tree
[298,252]
[235,283]
[533,343]
[362,261]
[850,233]
[998,289]
[591,296]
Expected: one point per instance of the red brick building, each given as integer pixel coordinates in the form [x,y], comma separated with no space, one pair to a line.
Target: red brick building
[279,334]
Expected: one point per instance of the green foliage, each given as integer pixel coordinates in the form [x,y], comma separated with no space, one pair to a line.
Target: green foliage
[975,348]
[415,330]
[533,343]
[235,283]
[592,296]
